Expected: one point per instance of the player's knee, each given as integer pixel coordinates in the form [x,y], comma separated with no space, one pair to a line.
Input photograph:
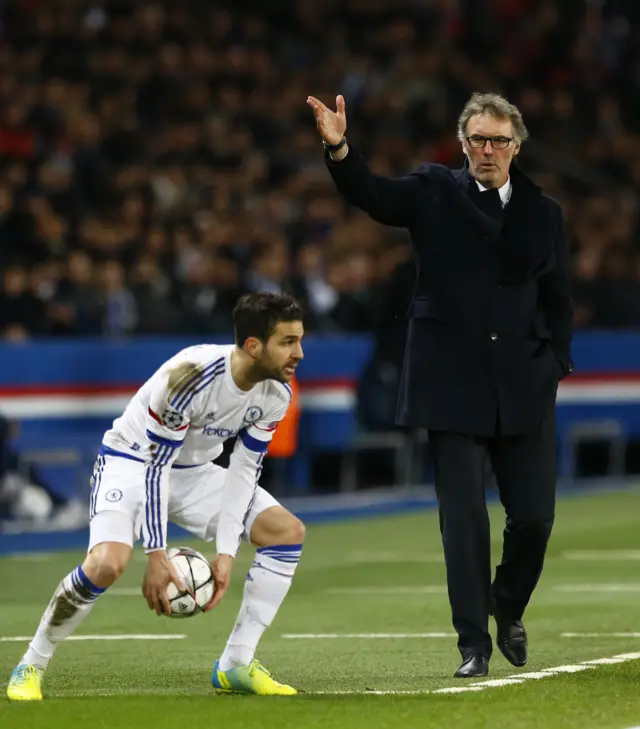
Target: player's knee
[288,529]
[294,532]
[106,562]
[277,526]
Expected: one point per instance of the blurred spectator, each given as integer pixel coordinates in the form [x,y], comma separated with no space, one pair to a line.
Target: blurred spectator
[120,309]
[75,307]
[157,161]
[21,312]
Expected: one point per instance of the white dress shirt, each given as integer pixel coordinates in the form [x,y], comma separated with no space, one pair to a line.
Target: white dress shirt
[504,191]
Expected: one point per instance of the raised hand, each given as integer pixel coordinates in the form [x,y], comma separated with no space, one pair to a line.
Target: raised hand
[332,125]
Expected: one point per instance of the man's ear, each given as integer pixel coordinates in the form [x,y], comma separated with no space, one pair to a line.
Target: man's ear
[253,347]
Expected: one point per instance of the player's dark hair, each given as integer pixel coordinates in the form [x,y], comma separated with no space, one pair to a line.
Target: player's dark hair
[258,314]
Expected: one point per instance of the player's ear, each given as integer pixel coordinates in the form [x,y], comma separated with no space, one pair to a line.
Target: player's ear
[253,347]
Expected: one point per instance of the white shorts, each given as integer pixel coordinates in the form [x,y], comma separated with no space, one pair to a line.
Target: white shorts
[195,498]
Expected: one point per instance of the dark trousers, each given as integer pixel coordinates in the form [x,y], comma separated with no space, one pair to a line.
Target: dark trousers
[525,471]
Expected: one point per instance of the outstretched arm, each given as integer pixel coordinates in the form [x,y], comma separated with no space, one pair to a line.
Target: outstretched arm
[391,201]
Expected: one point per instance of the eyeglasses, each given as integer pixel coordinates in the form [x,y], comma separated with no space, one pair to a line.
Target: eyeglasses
[478,141]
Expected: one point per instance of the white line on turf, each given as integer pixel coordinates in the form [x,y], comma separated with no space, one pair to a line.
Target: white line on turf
[518,678]
[599,587]
[600,635]
[332,636]
[30,557]
[389,590]
[125,591]
[515,679]
[141,636]
[366,556]
[605,661]
[382,636]
[568,669]
[131,691]
[496,682]
[602,555]
[408,590]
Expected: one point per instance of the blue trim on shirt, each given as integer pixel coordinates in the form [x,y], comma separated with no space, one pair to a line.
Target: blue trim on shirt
[253,444]
[164,441]
[106,451]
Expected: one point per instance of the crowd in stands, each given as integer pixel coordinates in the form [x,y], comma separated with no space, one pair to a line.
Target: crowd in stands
[157,159]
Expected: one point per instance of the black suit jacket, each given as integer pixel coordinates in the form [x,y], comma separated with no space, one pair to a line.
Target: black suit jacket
[490,323]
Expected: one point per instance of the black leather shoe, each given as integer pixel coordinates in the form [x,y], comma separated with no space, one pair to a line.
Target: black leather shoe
[473,666]
[512,640]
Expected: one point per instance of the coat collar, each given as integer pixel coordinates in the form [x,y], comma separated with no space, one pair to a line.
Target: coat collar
[519,236]
[523,184]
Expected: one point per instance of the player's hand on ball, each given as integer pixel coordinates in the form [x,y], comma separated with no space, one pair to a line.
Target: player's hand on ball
[221,567]
[332,125]
[159,574]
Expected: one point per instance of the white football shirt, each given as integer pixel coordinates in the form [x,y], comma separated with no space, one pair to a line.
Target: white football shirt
[181,416]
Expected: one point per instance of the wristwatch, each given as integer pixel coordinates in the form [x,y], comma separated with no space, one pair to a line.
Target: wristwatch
[334,147]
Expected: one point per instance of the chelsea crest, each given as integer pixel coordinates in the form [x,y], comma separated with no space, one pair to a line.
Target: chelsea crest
[253,414]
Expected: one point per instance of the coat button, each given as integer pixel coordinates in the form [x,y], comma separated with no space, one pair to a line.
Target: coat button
[494,336]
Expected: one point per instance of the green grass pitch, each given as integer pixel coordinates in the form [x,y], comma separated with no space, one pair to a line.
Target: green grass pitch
[374,576]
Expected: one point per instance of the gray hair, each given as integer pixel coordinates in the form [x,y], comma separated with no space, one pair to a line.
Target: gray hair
[496,106]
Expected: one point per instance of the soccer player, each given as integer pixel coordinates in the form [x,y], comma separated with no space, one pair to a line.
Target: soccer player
[155,465]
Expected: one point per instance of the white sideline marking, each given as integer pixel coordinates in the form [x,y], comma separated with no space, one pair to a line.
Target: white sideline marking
[30,557]
[366,590]
[600,587]
[512,680]
[605,661]
[389,590]
[125,591]
[332,636]
[568,669]
[135,691]
[602,555]
[501,682]
[517,678]
[369,692]
[141,636]
[366,556]
[600,635]
[382,636]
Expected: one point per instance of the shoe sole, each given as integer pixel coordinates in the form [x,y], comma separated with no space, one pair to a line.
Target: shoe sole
[227,692]
[24,698]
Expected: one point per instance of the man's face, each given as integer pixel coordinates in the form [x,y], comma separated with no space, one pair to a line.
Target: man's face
[278,358]
[488,165]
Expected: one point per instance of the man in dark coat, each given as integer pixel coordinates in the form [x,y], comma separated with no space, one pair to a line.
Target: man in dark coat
[489,335]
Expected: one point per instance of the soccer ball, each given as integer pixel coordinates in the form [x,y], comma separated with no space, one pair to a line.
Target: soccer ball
[196,574]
